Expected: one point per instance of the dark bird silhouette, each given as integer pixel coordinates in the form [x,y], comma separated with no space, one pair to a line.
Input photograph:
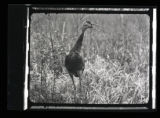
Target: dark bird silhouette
[74,62]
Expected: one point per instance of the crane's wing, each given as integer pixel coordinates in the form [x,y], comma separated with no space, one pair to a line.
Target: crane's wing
[74,63]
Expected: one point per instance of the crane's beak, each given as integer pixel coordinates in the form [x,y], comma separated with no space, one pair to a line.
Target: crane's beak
[95,26]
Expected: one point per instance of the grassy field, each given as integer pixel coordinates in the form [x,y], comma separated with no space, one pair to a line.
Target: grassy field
[116,54]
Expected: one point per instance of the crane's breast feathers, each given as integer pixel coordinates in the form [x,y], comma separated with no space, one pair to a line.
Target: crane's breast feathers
[74,62]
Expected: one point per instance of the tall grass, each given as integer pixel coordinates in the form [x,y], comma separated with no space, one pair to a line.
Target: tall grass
[116,59]
[103,82]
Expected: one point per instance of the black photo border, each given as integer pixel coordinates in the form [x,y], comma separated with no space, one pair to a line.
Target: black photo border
[109,107]
[16,49]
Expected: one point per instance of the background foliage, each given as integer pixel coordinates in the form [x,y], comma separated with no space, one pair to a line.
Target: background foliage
[116,54]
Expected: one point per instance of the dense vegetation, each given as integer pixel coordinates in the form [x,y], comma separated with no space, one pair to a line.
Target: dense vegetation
[116,54]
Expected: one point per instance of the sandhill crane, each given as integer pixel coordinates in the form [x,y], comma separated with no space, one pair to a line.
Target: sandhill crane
[74,62]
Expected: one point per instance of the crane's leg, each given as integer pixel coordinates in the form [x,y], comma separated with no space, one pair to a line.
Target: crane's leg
[74,86]
[80,80]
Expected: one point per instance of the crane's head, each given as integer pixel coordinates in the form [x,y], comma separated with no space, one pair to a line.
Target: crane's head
[87,24]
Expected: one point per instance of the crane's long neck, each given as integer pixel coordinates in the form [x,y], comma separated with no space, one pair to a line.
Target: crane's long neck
[78,45]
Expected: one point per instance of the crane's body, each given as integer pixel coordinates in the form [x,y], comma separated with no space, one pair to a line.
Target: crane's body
[74,62]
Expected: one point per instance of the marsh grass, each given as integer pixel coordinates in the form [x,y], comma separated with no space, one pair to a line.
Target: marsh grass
[116,59]
[100,85]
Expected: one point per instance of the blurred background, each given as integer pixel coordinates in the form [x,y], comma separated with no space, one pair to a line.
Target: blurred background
[116,53]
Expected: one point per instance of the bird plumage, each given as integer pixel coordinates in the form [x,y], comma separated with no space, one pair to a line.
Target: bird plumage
[74,62]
